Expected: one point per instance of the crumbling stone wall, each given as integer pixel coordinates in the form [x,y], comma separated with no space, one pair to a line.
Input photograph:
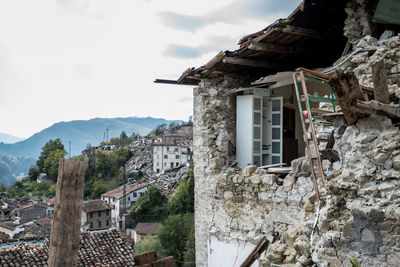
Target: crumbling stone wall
[233,204]
[213,146]
[386,46]
[360,216]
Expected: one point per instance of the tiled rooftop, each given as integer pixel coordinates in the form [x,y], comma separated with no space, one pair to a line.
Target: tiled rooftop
[118,192]
[102,248]
[95,205]
[147,228]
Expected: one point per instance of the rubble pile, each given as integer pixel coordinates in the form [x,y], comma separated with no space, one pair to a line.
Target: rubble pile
[142,160]
[387,50]
[360,216]
[8,206]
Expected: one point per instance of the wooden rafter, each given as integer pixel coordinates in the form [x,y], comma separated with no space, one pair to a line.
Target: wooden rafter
[305,32]
[253,63]
[278,48]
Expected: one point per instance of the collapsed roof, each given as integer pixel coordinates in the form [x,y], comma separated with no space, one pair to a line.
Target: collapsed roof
[314,28]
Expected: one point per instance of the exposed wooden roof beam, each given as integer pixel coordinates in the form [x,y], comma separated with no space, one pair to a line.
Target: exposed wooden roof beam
[252,63]
[278,48]
[305,32]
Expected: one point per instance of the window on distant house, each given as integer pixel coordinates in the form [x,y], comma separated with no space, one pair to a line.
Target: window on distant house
[108,213]
[99,213]
[99,224]
[107,222]
[91,215]
[176,156]
[129,198]
[167,148]
[165,156]
[177,164]
[134,194]
[91,226]
[141,194]
[176,149]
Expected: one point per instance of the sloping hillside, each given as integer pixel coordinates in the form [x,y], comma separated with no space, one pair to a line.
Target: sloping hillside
[80,133]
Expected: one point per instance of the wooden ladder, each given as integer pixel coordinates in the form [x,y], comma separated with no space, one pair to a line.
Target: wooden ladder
[312,148]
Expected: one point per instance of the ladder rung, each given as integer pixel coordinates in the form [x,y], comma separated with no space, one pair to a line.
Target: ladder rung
[302,99]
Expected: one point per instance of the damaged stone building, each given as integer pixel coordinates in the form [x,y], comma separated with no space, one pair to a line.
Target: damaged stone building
[248,120]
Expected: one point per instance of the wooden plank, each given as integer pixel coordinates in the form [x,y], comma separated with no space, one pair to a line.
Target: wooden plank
[330,155]
[305,32]
[256,252]
[253,63]
[147,257]
[165,262]
[379,78]
[375,107]
[347,91]
[325,77]
[278,48]
[65,233]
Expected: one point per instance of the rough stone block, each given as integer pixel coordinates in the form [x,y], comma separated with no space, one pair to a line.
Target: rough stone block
[249,170]
[255,179]
[268,179]
[228,195]
[216,163]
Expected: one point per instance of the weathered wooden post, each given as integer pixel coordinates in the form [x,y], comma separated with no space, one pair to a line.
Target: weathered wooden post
[65,232]
[379,77]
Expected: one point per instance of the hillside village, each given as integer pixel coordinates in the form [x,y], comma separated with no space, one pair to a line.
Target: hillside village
[296,158]
[158,162]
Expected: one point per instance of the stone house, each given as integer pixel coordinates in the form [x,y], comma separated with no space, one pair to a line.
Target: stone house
[144,230]
[7,227]
[32,211]
[96,215]
[121,198]
[170,155]
[179,137]
[235,204]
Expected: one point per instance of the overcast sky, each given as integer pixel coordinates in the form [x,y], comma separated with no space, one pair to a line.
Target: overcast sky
[63,60]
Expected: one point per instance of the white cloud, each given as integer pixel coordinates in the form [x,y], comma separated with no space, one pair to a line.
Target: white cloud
[79,59]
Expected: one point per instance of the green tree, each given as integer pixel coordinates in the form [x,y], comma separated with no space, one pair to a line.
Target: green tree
[174,235]
[52,190]
[33,173]
[150,207]
[50,156]
[183,200]
[123,135]
[150,243]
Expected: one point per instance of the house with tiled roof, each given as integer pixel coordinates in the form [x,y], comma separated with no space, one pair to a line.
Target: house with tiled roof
[7,227]
[96,215]
[31,211]
[144,230]
[121,198]
[100,248]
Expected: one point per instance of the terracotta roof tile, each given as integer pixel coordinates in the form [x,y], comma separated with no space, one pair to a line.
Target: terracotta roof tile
[95,205]
[118,192]
[101,248]
[147,228]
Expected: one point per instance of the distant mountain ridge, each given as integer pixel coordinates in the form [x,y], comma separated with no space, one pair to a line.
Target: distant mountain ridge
[9,139]
[81,133]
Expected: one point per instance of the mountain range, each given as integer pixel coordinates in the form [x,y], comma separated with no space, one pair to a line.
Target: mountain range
[9,139]
[18,157]
[81,133]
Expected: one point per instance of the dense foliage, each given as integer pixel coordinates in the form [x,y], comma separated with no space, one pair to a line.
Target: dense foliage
[176,236]
[48,160]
